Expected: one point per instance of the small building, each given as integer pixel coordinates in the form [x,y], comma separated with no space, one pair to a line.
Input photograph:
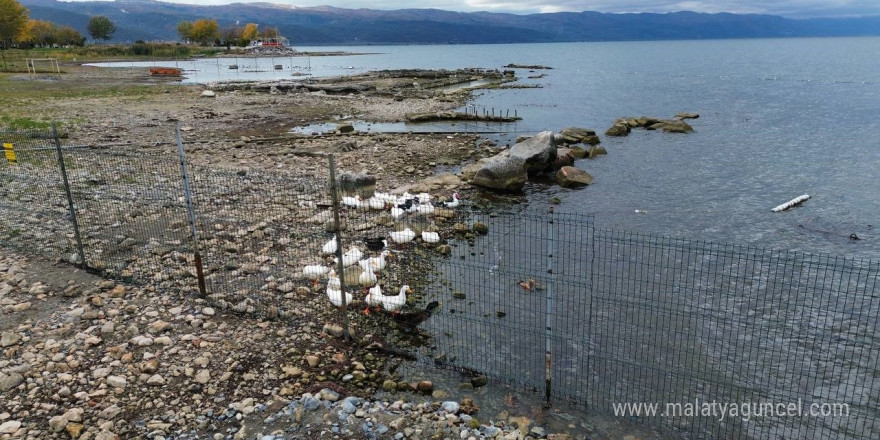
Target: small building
[270,42]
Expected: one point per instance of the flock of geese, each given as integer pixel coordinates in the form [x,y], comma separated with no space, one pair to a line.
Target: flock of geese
[372,266]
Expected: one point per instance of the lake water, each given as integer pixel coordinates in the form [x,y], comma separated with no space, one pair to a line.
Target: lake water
[779,118]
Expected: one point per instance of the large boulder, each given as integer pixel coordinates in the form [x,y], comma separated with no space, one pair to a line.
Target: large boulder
[537,152]
[503,171]
[576,135]
[361,184]
[571,177]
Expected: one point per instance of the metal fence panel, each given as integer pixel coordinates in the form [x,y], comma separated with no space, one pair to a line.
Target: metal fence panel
[35,216]
[625,317]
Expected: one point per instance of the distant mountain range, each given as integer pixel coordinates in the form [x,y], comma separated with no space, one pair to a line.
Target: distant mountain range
[152,20]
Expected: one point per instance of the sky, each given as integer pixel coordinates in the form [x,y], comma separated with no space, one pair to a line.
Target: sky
[785,8]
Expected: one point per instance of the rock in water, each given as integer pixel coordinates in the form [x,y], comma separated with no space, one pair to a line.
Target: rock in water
[595,151]
[620,128]
[502,172]
[571,177]
[576,135]
[538,152]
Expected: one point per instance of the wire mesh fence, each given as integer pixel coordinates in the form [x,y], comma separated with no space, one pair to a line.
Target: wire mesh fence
[547,301]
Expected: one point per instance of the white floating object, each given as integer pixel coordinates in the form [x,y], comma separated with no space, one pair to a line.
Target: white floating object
[791,203]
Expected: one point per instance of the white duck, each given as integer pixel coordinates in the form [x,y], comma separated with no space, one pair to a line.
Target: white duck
[373,298]
[331,246]
[314,271]
[335,297]
[350,257]
[385,197]
[376,203]
[393,303]
[424,197]
[376,264]
[430,237]
[333,281]
[425,208]
[368,278]
[404,236]
[397,213]
[453,203]
[351,202]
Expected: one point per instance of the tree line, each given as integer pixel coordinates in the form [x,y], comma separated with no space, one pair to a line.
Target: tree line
[206,31]
[16,28]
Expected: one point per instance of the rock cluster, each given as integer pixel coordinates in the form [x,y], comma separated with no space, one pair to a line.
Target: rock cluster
[623,126]
[543,153]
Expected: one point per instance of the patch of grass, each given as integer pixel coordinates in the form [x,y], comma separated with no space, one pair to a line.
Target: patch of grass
[23,123]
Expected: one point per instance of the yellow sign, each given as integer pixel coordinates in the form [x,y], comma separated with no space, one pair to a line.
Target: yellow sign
[9,149]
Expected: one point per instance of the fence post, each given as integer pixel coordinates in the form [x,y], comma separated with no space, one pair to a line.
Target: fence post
[187,194]
[335,197]
[548,313]
[70,207]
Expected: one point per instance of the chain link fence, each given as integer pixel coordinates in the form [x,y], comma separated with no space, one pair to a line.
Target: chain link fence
[548,301]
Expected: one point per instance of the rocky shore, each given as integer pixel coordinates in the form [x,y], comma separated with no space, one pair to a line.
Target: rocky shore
[89,358]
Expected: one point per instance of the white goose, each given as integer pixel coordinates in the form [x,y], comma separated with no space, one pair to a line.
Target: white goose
[331,246]
[335,297]
[367,278]
[404,236]
[393,303]
[430,237]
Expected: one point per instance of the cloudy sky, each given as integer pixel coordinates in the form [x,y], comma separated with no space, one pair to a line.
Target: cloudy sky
[786,8]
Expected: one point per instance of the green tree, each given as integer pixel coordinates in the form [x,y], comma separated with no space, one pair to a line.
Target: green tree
[13,23]
[184,29]
[68,36]
[101,28]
